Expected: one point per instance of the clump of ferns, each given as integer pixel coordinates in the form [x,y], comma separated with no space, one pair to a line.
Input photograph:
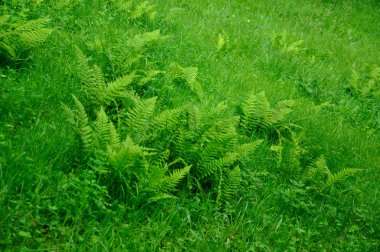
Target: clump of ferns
[258,117]
[118,95]
[294,161]
[183,135]
[214,150]
[19,35]
[130,52]
[129,170]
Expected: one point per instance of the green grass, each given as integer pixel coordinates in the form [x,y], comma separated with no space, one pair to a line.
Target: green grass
[50,200]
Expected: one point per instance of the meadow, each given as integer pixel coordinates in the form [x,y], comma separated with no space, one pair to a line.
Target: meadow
[178,125]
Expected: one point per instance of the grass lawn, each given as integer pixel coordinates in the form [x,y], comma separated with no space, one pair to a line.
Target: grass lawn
[190,125]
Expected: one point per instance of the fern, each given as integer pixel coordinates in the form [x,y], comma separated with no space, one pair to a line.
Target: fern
[118,88]
[188,76]
[143,9]
[139,118]
[256,109]
[230,187]
[365,86]
[83,128]
[288,154]
[339,176]
[166,184]
[321,178]
[139,41]
[18,37]
[33,32]
[318,172]
[92,79]
[257,114]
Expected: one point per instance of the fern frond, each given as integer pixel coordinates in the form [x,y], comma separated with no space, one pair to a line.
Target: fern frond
[194,117]
[218,130]
[245,149]
[168,118]
[116,88]
[70,114]
[123,6]
[34,37]
[145,39]
[161,196]
[33,25]
[83,127]
[256,109]
[188,76]
[141,9]
[211,167]
[139,118]
[339,176]
[149,76]
[33,32]
[231,184]
[114,139]
[101,126]
[318,172]
[8,50]
[280,112]
[170,182]
[91,77]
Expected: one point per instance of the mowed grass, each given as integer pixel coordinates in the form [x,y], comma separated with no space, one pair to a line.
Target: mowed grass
[301,50]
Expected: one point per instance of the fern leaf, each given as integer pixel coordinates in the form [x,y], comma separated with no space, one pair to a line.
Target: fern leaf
[101,127]
[8,50]
[256,109]
[161,196]
[84,129]
[211,167]
[92,78]
[339,176]
[116,88]
[168,118]
[151,75]
[245,149]
[318,172]
[141,9]
[194,117]
[282,109]
[33,32]
[190,75]
[221,42]
[231,184]
[139,117]
[114,139]
[34,37]
[33,25]
[70,115]
[170,182]
[123,6]
[141,40]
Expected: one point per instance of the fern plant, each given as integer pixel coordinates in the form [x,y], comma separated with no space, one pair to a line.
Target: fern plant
[126,168]
[214,151]
[186,76]
[161,143]
[365,86]
[319,176]
[18,36]
[258,115]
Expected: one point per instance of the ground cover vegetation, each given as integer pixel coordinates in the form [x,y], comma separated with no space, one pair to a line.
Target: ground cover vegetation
[189,125]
